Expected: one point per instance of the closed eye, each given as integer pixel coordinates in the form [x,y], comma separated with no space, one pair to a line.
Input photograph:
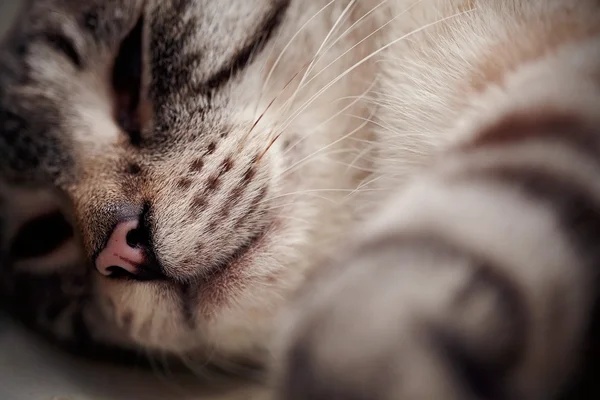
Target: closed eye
[127,81]
[41,236]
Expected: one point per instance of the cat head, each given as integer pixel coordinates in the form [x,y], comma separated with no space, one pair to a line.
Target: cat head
[151,184]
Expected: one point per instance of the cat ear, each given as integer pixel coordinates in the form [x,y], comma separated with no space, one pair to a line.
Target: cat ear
[37,228]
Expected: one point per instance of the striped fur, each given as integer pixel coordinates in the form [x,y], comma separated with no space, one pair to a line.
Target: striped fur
[478,279]
[459,140]
[489,270]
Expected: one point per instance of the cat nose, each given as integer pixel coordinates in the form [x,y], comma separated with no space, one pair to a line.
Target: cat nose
[126,254]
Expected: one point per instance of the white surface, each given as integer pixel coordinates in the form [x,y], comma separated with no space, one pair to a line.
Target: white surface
[30,370]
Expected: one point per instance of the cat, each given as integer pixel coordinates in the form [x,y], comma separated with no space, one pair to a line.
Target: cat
[376,198]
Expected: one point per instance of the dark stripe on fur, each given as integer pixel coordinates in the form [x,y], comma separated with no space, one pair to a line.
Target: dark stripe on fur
[481,362]
[563,128]
[578,209]
[64,45]
[579,213]
[169,77]
[485,369]
[304,379]
[188,294]
[169,36]
[487,275]
[245,55]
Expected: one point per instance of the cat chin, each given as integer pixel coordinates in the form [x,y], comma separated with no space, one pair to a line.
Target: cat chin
[227,309]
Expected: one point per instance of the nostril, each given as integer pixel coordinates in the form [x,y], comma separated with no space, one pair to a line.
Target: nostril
[124,253]
[134,238]
[128,254]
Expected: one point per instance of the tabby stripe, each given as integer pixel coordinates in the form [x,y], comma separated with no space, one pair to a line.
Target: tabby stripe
[483,373]
[577,205]
[63,45]
[188,295]
[578,209]
[486,272]
[562,128]
[579,214]
[168,78]
[245,55]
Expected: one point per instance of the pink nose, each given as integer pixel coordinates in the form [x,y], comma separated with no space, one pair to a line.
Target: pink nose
[121,251]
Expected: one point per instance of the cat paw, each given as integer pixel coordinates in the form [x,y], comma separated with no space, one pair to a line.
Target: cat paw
[406,320]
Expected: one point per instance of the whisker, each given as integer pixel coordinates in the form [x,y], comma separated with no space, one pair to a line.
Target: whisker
[364,184]
[278,60]
[263,69]
[337,114]
[357,44]
[300,192]
[354,25]
[365,59]
[340,37]
[269,106]
[360,156]
[313,154]
[323,190]
[316,56]
[364,39]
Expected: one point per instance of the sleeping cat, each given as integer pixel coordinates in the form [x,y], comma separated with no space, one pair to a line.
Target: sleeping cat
[380,199]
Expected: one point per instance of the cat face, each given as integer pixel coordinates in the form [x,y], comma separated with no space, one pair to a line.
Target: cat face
[148,184]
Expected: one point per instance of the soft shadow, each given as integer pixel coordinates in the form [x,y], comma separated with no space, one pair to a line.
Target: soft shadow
[32,370]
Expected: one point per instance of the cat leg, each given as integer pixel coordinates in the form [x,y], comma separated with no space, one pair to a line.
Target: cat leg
[475,282]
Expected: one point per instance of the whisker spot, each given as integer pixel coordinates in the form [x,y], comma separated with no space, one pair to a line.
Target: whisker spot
[226,165]
[212,183]
[184,183]
[249,175]
[197,165]
[211,148]
[134,168]
[198,204]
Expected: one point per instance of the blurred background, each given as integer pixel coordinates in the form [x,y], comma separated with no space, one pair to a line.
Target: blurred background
[8,11]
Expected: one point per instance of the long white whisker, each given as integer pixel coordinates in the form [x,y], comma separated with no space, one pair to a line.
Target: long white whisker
[365,59]
[316,56]
[360,156]
[289,43]
[263,68]
[340,37]
[362,41]
[351,27]
[310,192]
[319,151]
[295,193]
[302,86]
[379,124]
[260,117]
[337,114]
